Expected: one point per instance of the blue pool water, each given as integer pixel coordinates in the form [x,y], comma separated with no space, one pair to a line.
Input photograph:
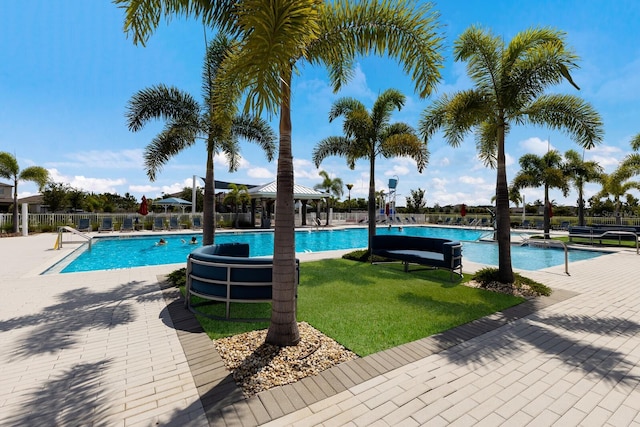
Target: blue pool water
[131,251]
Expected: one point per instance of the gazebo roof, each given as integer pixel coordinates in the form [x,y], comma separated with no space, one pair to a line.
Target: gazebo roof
[268,191]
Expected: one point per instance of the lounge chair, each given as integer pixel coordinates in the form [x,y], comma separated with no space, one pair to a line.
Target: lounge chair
[526,224]
[84,225]
[174,224]
[158,223]
[398,220]
[127,225]
[107,224]
[197,223]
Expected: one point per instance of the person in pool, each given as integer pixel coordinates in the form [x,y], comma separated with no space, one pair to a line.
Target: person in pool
[194,241]
[161,242]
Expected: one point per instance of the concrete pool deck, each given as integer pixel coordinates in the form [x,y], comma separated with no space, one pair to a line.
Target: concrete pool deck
[111,348]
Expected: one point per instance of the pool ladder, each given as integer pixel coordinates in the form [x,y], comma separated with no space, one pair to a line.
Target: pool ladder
[546,243]
[64,228]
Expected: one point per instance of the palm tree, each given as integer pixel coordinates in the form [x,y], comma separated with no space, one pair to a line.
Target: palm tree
[276,35]
[510,81]
[238,196]
[9,169]
[581,172]
[635,143]
[349,187]
[617,184]
[187,121]
[333,187]
[368,135]
[546,171]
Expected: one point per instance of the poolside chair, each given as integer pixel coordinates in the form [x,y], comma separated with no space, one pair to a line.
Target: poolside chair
[127,225]
[158,223]
[197,223]
[398,220]
[107,224]
[84,225]
[174,224]
[526,224]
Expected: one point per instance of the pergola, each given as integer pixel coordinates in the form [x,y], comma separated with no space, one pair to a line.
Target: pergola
[267,194]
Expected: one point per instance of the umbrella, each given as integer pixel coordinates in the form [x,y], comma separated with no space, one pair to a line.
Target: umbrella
[144,208]
[463,210]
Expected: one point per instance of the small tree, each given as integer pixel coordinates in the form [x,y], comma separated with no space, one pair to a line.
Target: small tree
[331,186]
[416,202]
[56,196]
[9,169]
[238,196]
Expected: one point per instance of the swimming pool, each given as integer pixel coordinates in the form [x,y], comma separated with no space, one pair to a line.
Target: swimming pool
[129,251]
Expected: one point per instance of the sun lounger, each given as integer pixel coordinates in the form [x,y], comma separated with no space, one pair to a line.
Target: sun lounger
[127,225]
[174,224]
[107,224]
[197,223]
[158,224]
[84,225]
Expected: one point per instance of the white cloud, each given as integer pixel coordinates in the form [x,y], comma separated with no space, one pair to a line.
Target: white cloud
[536,146]
[465,179]
[91,185]
[304,168]
[103,159]
[444,162]
[261,173]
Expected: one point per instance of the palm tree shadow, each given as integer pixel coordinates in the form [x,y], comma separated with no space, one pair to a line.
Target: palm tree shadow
[67,399]
[58,326]
[545,334]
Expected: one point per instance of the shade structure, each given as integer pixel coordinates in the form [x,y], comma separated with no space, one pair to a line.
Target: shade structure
[172,201]
[144,207]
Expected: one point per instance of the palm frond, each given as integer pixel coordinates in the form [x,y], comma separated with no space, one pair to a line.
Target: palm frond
[568,113]
[404,29]
[386,103]
[258,130]
[330,146]
[406,144]
[160,102]
[635,143]
[142,17]
[482,52]
[173,139]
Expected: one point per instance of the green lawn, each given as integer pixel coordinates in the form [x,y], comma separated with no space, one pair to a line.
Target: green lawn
[369,308]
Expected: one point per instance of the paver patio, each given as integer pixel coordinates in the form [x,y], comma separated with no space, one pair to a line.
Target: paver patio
[112,348]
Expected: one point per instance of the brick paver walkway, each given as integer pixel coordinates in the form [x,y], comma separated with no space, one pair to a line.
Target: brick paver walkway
[112,349]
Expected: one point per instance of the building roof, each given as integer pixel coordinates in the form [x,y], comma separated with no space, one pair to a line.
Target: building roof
[268,191]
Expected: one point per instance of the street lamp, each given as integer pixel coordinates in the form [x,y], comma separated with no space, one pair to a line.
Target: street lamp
[349,187]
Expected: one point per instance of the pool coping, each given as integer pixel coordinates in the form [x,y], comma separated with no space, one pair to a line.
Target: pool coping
[222,399]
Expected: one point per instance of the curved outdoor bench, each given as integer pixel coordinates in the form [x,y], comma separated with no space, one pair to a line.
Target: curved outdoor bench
[432,252]
[225,273]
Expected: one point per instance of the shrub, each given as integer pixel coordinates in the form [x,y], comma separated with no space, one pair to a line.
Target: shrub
[488,275]
[178,277]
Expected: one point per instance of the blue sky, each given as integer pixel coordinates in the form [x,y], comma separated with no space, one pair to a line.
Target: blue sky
[67,70]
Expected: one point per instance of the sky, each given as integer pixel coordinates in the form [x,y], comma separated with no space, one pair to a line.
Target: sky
[67,71]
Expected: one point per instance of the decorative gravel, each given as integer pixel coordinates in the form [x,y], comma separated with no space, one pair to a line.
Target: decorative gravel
[523,291]
[257,366]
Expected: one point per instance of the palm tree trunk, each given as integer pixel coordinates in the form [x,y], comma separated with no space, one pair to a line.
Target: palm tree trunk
[208,210]
[545,212]
[580,207]
[283,329]
[372,198]
[16,209]
[503,219]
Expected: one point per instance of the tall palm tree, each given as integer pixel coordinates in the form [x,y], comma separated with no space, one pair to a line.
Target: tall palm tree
[510,81]
[581,172]
[368,135]
[187,121]
[617,184]
[349,187]
[542,171]
[331,186]
[278,34]
[9,169]
[238,196]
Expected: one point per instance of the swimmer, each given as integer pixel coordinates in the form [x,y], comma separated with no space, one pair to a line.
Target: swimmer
[161,242]
[194,241]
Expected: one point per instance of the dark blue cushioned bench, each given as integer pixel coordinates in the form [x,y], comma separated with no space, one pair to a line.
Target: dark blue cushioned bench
[225,273]
[601,232]
[437,253]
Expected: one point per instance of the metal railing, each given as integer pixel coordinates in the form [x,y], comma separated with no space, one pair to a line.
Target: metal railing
[546,243]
